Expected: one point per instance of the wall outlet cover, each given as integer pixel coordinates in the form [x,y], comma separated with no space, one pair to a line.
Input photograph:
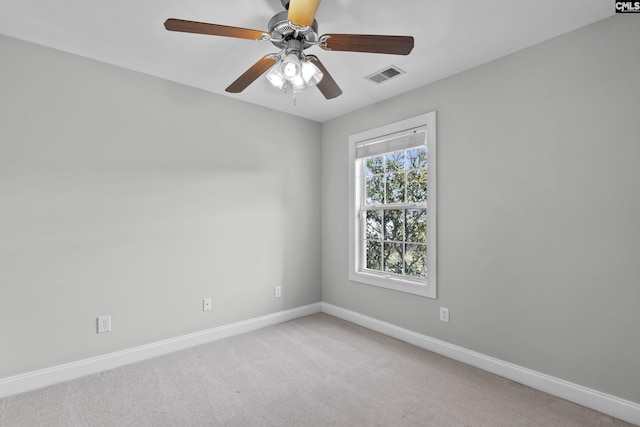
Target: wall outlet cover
[104,324]
[444,314]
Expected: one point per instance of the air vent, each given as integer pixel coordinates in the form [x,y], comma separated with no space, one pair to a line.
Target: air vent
[385,74]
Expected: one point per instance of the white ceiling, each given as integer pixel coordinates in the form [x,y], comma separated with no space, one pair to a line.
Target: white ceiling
[450,36]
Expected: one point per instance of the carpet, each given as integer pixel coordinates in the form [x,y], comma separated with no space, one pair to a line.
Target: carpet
[312,371]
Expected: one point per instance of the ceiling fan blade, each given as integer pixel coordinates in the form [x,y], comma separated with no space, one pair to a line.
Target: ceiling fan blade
[395,45]
[302,12]
[213,29]
[327,85]
[249,76]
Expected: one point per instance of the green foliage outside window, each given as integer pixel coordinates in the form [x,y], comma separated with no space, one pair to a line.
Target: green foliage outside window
[396,229]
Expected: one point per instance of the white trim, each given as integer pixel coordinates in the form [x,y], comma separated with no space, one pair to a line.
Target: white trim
[427,288]
[45,377]
[602,402]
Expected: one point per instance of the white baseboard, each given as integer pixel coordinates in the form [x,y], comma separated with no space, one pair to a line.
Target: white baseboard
[45,377]
[601,402]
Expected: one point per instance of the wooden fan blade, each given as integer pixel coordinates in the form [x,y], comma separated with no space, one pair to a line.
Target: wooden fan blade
[395,45]
[252,74]
[302,12]
[213,29]
[327,85]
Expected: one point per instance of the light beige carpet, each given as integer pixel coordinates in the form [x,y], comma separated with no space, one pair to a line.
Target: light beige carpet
[313,371]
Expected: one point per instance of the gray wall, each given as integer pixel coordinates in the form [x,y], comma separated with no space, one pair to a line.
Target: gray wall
[538,209]
[128,195]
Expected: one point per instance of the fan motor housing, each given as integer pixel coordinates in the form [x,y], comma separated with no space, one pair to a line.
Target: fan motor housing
[281,31]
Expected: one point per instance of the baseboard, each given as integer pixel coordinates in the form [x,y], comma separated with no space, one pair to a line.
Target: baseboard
[601,402]
[45,377]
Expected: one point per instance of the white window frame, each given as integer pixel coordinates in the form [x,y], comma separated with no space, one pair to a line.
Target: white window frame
[425,287]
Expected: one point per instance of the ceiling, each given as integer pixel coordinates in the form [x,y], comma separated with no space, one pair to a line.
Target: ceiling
[450,36]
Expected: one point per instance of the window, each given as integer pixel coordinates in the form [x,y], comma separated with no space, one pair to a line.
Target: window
[392,215]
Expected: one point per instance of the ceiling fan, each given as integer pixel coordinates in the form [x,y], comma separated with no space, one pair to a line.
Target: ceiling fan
[293,31]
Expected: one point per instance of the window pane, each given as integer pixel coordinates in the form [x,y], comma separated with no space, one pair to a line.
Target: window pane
[394,225]
[395,162]
[391,224]
[374,225]
[417,186]
[375,189]
[374,255]
[392,257]
[416,225]
[415,260]
[395,187]
[417,158]
[374,165]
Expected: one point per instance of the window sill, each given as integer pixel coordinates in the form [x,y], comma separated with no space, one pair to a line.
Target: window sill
[423,289]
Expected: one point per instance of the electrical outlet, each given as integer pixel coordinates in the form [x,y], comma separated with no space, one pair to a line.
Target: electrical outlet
[104,324]
[444,314]
[206,304]
[277,292]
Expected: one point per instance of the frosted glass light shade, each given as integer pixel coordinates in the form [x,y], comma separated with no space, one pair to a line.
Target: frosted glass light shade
[291,67]
[311,74]
[275,77]
[291,74]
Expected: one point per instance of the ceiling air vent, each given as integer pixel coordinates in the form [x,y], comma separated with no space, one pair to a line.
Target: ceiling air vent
[384,74]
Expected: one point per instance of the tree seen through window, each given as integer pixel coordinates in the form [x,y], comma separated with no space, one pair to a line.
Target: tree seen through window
[395,212]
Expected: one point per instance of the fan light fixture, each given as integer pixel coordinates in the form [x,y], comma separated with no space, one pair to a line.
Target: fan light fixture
[294,74]
[294,30]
